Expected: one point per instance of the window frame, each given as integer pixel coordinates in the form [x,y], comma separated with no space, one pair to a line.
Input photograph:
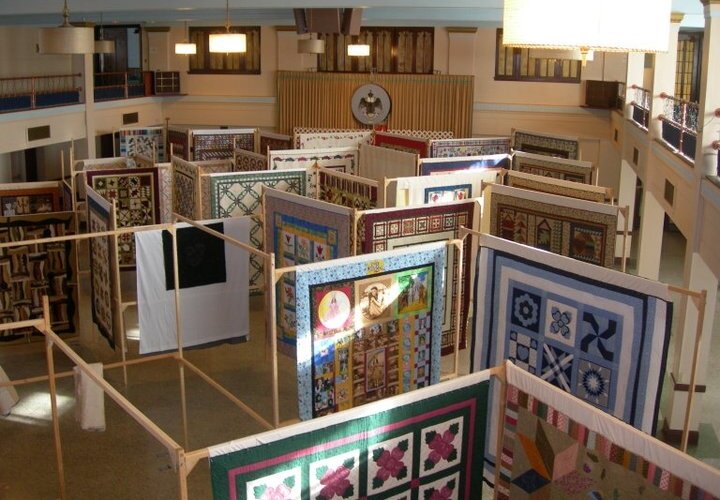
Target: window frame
[206,31]
[517,54]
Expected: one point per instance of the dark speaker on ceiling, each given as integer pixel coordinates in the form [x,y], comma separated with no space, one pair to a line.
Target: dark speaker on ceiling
[300,21]
[323,20]
[351,21]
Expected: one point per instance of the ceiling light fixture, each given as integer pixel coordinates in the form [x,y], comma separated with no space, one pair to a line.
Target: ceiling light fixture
[227,42]
[103,46]
[602,25]
[186,47]
[358,50]
[66,38]
[310,45]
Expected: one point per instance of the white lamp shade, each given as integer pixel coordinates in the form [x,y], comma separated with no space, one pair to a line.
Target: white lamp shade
[66,40]
[311,46]
[358,50]
[185,48]
[605,25]
[227,43]
[104,46]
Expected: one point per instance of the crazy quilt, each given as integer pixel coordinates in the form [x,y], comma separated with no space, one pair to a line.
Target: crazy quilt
[558,146]
[27,198]
[387,229]
[434,166]
[579,229]
[557,168]
[135,192]
[102,266]
[424,445]
[247,161]
[272,141]
[368,327]
[476,146]
[598,334]
[217,144]
[406,143]
[238,194]
[588,192]
[347,190]
[299,230]
[145,141]
[556,447]
[31,270]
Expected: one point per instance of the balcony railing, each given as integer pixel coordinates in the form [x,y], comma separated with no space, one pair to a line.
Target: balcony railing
[641,106]
[33,92]
[119,85]
[679,125]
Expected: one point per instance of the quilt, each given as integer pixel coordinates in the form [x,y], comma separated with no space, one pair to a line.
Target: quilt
[368,327]
[587,192]
[430,135]
[598,334]
[145,141]
[434,166]
[29,198]
[339,159]
[67,197]
[31,270]
[476,146]
[347,190]
[298,131]
[214,299]
[578,229]
[247,161]
[186,181]
[424,445]
[102,266]
[406,143]
[299,230]
[377,163]
[272,141]
[546,144]
[218,144]
[556,447]
[165,183]
[320,140]
[178,140]
[432,189]
[557,168]
[387,229]
[135,192]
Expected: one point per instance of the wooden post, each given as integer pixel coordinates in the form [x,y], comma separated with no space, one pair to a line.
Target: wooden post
[118,293]
[53,398]
[178,334]
[271,278]
[501,375]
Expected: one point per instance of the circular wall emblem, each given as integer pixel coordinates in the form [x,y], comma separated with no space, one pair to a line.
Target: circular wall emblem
[370,104]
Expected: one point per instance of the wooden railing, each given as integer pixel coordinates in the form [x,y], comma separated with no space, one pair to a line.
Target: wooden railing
[119,85]
[32,92]
[641,106]
[679,125]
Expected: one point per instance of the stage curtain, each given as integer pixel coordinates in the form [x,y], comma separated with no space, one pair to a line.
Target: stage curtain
[419,102]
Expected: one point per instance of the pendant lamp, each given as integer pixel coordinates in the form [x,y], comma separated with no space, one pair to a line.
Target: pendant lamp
[227,42]
[358,50]
[66,38]
[310,46]
[185,47]
[103,46]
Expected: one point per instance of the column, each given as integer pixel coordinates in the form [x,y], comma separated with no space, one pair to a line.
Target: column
[461,51]
[698,275]
[83,64]
[652,219]
[626,197]
[664,77]
[635,76]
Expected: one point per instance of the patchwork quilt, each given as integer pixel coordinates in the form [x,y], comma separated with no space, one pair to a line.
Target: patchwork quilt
[578,229]
[556,447]
[368,327]
[595,333]
[546,144]
[32,198]
[269,140]
[143,141]
[587,192]
[390,228]
[424,445]
[557,168]
[347,190]
[217,144]
[247,161]
[443,148]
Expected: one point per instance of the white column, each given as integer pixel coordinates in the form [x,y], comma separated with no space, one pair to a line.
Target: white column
[651,233]
[626,197]
[664,76]
[635,76]
[461,51]
[83,64]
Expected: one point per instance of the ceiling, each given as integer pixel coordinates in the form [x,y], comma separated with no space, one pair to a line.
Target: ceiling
[273,12]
